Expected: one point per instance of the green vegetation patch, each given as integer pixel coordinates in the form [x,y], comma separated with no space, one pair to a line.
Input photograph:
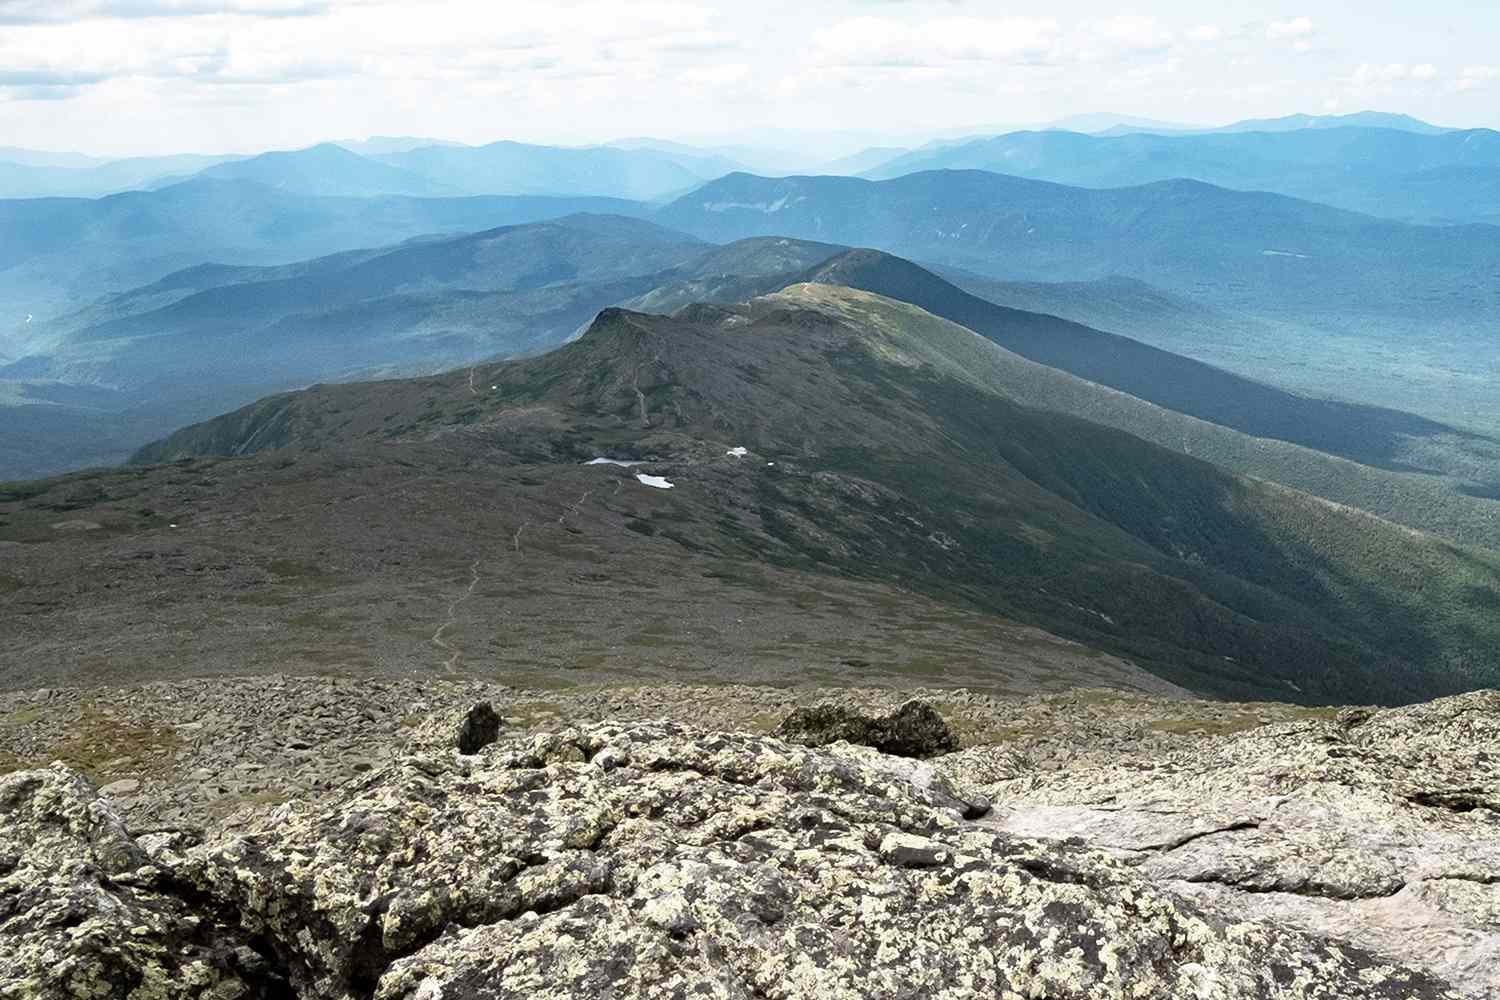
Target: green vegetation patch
[101,746]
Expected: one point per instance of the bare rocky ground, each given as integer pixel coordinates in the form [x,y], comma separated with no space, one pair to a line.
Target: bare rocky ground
[322,837]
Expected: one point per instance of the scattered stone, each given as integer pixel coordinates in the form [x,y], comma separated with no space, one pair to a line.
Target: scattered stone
[121,788]
[913,730]
[913,852]
[76,526]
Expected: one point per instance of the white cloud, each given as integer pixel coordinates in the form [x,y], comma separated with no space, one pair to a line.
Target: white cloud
[1368,73]
[1131,33]
[1476,78]
[1296,27]
[67,11]
[246,73]
[891,42]
[367,39]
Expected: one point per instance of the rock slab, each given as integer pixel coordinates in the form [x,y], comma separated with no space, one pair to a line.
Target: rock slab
[641,860]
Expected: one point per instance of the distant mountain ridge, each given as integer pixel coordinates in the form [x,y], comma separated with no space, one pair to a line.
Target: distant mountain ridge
[1361,119]
[1377,171]
[520,169]
[89,179]
[58,255]
[1224,247]
[1370,308]
[330,170]
[181,348]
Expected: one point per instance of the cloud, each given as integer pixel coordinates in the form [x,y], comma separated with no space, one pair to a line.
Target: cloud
[1205,33]
[1385,80]
[888,42]
[1368,74]
[1129,33]
[68,11]
[49,93]
[1476,77]
[518,47]
[36,78]
[1292,28]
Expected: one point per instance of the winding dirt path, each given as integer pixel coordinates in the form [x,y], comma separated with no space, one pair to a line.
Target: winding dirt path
[454,653]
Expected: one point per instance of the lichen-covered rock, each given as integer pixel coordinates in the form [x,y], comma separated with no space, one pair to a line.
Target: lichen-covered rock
[85,914]
[646,860]
[468,730]
[913,730]
[653,860]
[1381,828]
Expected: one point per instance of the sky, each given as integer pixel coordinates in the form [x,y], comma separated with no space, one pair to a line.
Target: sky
[127,77]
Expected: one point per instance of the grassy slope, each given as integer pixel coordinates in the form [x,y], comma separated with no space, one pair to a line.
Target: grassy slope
[1422,501]
[896,462]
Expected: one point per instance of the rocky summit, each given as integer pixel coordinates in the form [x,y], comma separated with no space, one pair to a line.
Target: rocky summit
[1087,845]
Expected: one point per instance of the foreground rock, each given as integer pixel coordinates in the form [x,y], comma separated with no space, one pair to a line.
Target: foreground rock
[640,860]
[1378,828]
[913,730]
[85,913]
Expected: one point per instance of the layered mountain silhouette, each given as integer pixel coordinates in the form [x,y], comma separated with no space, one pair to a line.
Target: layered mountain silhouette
[329,169]
[385,166]
[518,168]
[187,346]
[1357,119]
[27,175]
[458,298]
[1328,302]
[1382,171]
[1261,252]
[58,255]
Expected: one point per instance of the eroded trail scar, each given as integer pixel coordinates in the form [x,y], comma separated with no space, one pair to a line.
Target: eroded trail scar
[454,653]
[572,508]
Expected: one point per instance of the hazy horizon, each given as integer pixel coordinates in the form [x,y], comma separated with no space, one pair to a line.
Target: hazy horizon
[138,77]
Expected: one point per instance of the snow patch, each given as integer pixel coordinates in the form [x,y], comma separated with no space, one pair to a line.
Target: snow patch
[612,461]
[654,481]
[737,452]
